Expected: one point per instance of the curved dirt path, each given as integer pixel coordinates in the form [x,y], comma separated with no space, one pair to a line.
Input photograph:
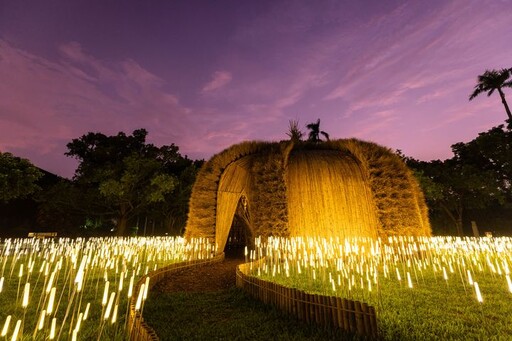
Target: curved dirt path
[213,277]
[220,312]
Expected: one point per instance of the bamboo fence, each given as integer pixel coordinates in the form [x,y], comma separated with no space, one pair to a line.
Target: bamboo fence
[138,329]
[329,311]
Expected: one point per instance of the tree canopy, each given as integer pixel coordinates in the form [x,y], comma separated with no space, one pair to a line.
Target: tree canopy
[478,175]
[454,186]
[18,177]
[490,151]
[123,174]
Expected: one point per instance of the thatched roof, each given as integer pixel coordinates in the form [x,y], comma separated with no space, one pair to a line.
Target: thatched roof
[337,188]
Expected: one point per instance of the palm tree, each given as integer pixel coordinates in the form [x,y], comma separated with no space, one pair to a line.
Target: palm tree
[315,132]
[493,80]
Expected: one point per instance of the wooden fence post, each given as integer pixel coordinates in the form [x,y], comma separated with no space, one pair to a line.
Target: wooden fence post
[339,313]
[334,312]
[318,309]
[300,307]
[359,318]
[310,307]
[373,321]
[351,316]
[366,318]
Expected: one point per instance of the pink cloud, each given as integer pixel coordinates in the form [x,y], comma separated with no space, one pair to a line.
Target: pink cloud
[219,80]
[73,52]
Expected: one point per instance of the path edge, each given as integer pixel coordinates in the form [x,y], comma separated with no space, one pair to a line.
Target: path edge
[138,329]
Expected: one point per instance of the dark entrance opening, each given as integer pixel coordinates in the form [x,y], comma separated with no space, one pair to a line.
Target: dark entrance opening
[240,234]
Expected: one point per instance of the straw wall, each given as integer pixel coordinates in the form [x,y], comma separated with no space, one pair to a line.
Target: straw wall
[329,195]
[400,204]
[268,192]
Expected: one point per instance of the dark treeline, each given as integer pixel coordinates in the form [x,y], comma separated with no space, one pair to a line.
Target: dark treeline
[473,185]
[122,186]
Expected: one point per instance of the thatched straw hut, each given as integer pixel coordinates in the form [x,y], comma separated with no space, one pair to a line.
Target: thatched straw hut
[342,188]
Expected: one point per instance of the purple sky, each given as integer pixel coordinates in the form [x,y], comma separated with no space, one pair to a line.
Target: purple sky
[207,74]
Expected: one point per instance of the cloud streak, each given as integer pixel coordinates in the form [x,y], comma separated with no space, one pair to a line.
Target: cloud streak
[219,80]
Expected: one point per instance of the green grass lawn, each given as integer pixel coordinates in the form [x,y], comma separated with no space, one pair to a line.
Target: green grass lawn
[434,309]
[432,312]
[225,315]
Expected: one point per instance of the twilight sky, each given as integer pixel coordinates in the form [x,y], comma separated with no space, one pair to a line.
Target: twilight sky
[207,74]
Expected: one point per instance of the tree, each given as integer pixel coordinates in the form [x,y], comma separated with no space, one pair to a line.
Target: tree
[467,181]
[18,177]
[294,132]
[492,80]
[125,174]
[174,210]
[454,187]
[315,132]
[491,151]
[69,210]
[477,177]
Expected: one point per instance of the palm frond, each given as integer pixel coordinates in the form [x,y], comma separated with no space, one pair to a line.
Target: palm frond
[478,90]
[314,125]
[490,81]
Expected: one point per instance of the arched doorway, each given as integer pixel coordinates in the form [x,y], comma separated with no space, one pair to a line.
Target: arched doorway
[240,234]
[232,205]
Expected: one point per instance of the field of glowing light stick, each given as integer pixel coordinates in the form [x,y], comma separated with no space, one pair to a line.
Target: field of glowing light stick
[80,288]
[422,288]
